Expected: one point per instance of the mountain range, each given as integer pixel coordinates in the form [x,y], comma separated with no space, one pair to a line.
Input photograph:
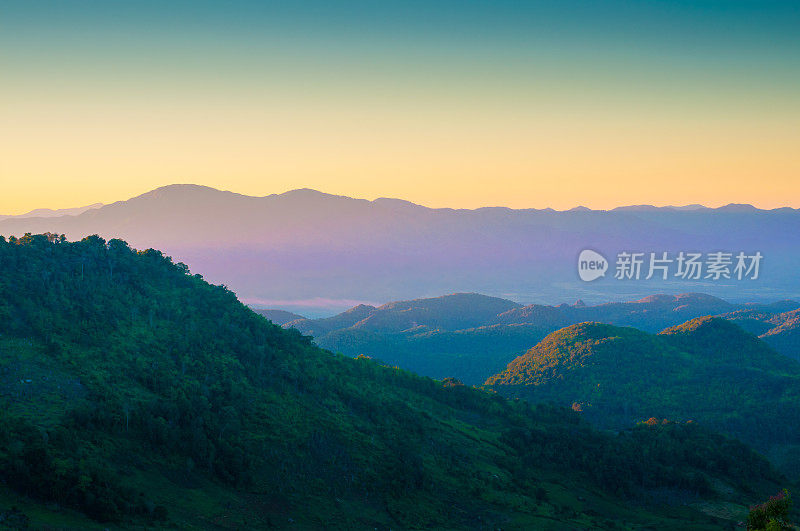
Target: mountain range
[51,213]
[315,253]
[136,395]
[471,336]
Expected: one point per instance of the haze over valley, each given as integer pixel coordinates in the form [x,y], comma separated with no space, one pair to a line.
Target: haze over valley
[269,249]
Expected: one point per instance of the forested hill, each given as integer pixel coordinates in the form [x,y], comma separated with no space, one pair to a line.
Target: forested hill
[134,392]
[707,369]
[471,337]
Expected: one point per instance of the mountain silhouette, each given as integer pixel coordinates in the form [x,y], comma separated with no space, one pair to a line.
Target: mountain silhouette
[307,245]
[51,213]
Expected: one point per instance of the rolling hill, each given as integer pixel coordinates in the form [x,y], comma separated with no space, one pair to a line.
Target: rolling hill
[471,336]
[707,370]
[135,393]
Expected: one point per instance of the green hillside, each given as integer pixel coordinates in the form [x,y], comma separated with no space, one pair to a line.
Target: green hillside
[707,370]
[471,337]
[134,394]
[780,330]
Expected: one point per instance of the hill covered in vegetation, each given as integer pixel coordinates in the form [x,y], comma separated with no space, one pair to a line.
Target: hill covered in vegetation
[707,370]
[471,337]
[780,330]
[136,393]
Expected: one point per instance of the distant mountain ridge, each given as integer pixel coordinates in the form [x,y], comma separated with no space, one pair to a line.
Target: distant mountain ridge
[471,336]
[449,312]
[270,248]
[278,317]
[50,213]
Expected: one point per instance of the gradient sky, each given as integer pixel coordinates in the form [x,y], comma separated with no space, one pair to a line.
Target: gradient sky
[461,104]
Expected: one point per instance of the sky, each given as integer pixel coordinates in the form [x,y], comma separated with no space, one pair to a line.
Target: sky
[447,104]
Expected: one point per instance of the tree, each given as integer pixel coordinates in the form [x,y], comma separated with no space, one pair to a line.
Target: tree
[772,515]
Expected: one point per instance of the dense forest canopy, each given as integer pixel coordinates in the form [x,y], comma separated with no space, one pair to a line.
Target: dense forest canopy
[707,370]
[133,390]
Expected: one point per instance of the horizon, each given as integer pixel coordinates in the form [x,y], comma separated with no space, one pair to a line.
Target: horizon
[100,204]
[447,104]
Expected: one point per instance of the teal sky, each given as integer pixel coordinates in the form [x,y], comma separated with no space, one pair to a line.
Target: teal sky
[383,98]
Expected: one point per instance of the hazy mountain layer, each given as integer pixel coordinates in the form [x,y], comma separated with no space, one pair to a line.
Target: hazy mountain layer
[304,250]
